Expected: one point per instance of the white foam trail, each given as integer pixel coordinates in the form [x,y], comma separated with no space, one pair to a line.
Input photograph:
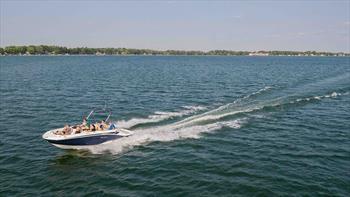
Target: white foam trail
[208,117]
[332,95]
[159,116]
[239,100]
[190,127]
[163,134]
[174,131]
[235,124]
[187,128]
[194,108]
[258,92]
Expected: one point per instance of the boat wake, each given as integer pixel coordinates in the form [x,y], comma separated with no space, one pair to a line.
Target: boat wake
[159,116]
[233,115]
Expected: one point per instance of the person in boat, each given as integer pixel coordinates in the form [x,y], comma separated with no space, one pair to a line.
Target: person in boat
[112,126]
[84,125]
[103,125]
[67,130]
[98,126]
[78,129]
[59,132]
[84,121]
[92,127]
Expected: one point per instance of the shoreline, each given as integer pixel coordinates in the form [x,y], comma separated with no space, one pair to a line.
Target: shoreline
[50,50]
[159,55]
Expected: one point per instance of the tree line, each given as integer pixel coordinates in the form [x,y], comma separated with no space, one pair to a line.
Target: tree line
[59,50]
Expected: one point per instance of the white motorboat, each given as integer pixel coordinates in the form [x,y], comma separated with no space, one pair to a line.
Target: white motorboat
[74,138]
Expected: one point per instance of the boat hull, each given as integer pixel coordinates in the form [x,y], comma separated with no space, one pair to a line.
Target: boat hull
[85,141]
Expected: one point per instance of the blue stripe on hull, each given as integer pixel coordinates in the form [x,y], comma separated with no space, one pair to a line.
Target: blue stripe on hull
[91,140]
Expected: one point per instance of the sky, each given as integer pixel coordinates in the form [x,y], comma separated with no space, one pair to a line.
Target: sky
[319,25]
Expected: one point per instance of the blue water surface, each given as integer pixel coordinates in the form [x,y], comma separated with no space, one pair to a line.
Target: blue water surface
[204,125]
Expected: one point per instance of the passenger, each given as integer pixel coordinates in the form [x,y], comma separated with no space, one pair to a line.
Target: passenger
[70,131]
[84,125]
[59,132]
[85,128]
[103,125]
[92,127]
[78,129]
[66,127]
[112,126]
[84,121]
[67,130]
[97,126]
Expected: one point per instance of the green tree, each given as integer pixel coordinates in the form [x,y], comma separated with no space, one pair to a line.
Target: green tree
[12,50]
[31,49]
[39,50]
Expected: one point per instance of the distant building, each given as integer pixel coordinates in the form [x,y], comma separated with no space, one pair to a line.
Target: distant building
[258,54]
[98,53]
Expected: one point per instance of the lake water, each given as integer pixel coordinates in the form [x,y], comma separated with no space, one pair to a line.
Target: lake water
[204,126]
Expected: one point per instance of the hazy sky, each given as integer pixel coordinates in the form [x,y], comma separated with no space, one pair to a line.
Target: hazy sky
[192,25]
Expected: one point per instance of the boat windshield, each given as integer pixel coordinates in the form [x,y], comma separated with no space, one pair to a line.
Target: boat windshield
[99,115]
